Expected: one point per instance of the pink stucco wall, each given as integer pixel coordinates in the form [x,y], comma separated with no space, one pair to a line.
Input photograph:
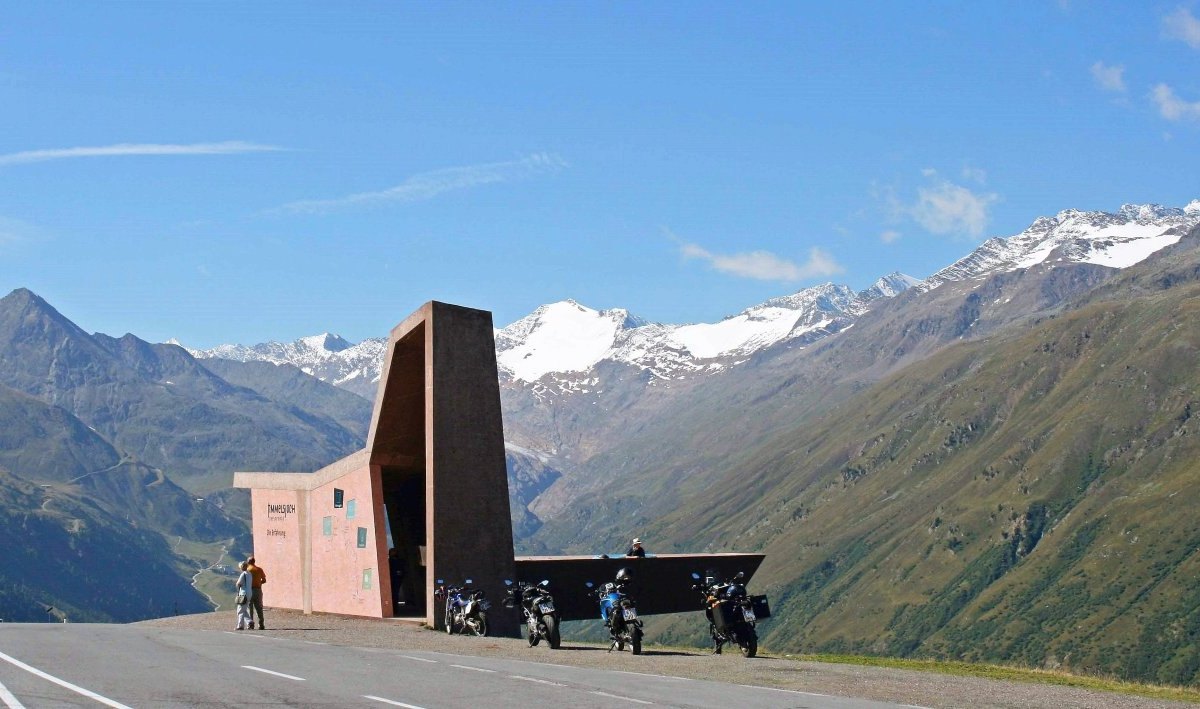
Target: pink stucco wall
[277,547]
[347,578]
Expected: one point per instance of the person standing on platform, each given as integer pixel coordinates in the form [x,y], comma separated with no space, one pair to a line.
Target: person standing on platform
[258,578]
[244,593]
[636,549]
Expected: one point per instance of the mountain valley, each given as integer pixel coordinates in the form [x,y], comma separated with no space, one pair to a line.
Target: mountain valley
[995,463]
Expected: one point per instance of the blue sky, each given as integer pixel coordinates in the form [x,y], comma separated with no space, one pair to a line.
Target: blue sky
[238,172]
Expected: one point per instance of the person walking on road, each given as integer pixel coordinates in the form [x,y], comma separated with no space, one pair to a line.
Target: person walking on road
[244,594]
[258,578]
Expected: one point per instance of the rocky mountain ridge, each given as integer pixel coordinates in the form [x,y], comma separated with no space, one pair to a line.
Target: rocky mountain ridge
[1115,239]
[558,348]
[116,455]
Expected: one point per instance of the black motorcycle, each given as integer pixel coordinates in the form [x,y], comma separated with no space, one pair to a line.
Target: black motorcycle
[466,608]
[537,605]
[732,613]
[620,614]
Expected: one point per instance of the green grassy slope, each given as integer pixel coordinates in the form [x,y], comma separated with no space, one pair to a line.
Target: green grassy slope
[1023,498]
[65,551]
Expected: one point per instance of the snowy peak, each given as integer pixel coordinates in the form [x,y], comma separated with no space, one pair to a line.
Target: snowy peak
[1117,240]
[560,337]
[304,351]
[564,347]
[565,341]
[559,345]
[826,298]
[888,286]
[778,319]
[327,357]
[324,342]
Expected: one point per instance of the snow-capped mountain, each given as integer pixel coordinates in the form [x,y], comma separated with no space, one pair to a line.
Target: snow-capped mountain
[567,340]
[1118,240]
[563,342]
[559,346]
[327,357]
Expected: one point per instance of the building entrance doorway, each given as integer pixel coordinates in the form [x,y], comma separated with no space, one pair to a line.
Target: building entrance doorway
[404,507]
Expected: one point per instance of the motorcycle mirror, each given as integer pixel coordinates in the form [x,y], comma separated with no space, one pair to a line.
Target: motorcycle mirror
[545,582]
[589,584]
[507,582]
[441,581]
[468,581]
[695,575]
[739,576]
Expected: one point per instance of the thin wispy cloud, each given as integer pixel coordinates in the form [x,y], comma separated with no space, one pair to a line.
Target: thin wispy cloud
[1173,108]
[427,185]
[14,232]
[764,265]
[1109,78]
[976,174]
[889,236]
[229,147]
[1183,25]
[947,208]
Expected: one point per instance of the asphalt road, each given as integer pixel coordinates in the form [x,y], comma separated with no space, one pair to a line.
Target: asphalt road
[72,665]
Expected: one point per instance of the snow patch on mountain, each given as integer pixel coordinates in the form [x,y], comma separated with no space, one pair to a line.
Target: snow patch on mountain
[1117,240]
[327,357]
[558,346]
[560,337]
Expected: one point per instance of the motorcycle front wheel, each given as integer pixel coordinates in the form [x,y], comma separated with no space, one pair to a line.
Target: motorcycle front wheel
[478,625]
[450,623]
[552,633]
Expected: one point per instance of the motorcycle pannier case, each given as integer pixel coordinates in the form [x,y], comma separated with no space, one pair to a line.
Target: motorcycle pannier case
[723,615]
[762,609]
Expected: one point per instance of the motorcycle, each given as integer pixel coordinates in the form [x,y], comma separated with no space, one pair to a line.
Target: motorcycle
[466,608]
[732,613]
[537,605]
[620,614]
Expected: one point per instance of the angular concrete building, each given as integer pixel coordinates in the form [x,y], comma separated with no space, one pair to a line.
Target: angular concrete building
[427,499]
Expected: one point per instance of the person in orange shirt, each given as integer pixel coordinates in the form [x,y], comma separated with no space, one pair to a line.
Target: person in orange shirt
[258,578]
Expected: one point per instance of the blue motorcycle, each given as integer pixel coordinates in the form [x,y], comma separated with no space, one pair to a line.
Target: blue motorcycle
[619,613]
[466,608]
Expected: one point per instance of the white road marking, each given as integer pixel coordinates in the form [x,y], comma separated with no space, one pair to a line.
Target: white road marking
[645,674]
[11,701]
[272,672]
[314,642]
[418,659]
[535,679]
[789,691]
[468,667]
[617,696]
[63,683]
[389,701]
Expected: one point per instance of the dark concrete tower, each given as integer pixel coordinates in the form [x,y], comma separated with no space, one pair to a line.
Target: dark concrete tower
[437,438]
